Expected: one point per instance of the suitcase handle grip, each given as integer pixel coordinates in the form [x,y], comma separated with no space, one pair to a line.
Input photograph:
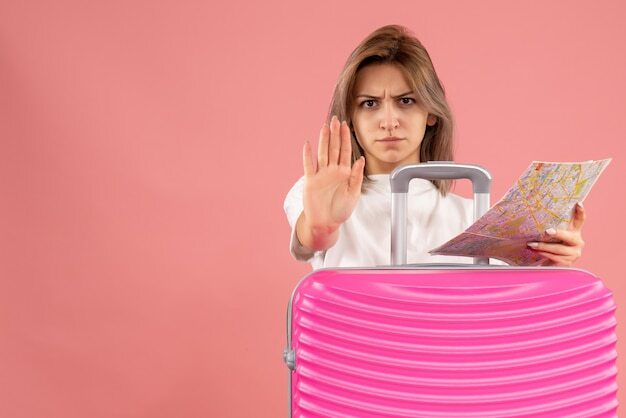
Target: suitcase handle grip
[432,170]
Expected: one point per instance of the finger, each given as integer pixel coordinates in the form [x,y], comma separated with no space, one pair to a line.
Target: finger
[572,238]
[307,160]
[579,217]
[356,176]
[556,249]
[335,141]
[322,147]
[346,146]
[556,260]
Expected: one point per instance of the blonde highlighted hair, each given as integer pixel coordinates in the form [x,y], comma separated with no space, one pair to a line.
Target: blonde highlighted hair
[394,44]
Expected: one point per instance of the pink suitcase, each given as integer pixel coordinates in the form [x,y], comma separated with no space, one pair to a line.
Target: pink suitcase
[450,341]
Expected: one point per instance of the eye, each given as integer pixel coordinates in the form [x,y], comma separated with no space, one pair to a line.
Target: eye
[368,104]
[407,100]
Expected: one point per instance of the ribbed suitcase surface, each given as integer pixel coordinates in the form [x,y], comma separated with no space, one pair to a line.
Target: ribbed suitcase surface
[459,342]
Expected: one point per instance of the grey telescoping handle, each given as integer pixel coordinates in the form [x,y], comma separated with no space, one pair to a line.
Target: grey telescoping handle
[432,170]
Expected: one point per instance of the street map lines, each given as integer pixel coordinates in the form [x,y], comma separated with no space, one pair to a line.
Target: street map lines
[543,197]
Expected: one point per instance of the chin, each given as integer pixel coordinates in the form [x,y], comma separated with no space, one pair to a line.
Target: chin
[396,159]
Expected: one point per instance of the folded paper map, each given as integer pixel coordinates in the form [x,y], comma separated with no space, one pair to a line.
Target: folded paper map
[543,197]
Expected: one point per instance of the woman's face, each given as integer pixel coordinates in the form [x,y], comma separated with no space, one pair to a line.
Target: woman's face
[388,122]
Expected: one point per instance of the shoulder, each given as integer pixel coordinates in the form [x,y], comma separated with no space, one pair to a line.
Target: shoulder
[293,205]
[459,206]
[450,201]
[458,201]
[297,187]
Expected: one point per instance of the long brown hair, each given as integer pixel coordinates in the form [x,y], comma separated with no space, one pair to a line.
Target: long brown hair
[394,44]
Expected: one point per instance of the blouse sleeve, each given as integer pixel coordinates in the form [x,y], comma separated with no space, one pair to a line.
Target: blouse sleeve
[293,207]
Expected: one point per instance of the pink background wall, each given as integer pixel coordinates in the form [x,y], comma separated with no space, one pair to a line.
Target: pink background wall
[146,147]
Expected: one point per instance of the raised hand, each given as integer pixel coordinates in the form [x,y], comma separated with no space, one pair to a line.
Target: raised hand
[569,249]
[331,189]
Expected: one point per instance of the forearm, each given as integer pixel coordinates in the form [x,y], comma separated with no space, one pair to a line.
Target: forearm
[315,237]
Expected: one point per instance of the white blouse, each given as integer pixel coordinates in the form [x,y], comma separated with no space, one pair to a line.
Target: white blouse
[364,239]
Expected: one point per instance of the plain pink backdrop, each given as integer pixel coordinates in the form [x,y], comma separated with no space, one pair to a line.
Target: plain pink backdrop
[146,148]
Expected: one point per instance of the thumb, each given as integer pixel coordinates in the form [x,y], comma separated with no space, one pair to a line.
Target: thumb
[356,176]
[579,217]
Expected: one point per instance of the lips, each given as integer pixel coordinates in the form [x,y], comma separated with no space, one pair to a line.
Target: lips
[390,140]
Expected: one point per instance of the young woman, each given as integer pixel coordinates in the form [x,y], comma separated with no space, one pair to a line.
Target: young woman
[389,108]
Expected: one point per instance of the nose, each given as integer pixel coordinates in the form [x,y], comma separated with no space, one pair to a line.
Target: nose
[389,119]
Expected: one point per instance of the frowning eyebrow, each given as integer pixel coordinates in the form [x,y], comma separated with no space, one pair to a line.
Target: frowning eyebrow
[371,96]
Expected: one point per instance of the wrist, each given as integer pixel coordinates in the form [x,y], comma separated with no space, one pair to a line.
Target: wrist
[316,236]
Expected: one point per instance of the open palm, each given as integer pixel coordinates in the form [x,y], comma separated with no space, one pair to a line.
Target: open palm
[332,188]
